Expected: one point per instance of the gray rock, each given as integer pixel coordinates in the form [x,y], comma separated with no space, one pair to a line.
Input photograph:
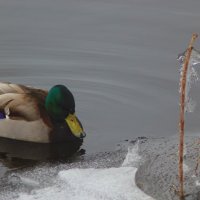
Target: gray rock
[158,173]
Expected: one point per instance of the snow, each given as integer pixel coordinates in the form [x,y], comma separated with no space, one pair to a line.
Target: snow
[115,183]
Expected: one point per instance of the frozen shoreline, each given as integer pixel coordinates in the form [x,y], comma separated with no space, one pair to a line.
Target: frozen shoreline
[103,176]
[147,171]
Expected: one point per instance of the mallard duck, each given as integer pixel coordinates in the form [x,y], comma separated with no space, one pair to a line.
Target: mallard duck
[36,115]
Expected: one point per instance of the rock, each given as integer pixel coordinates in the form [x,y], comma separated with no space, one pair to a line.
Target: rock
[158,173]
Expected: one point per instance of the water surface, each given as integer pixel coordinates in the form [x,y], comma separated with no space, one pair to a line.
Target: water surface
[118,57]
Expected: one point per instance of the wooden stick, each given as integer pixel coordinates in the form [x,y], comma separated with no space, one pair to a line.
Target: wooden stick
[182,114]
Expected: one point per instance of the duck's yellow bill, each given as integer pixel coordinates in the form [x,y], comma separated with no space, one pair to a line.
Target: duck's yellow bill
[75,126]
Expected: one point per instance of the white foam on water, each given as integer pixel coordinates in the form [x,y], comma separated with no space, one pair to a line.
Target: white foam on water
[94,184]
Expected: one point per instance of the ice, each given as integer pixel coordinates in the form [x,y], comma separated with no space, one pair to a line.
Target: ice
[114,183]
[132,157]
[16,179]
[92,184]
[192,76]
[185,167]
[197,183]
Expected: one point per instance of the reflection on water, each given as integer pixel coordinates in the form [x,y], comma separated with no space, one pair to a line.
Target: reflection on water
[17,154]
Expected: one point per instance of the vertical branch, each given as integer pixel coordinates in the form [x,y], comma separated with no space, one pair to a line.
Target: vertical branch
[182,114]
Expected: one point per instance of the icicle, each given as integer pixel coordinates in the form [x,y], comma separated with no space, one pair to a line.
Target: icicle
[192,76]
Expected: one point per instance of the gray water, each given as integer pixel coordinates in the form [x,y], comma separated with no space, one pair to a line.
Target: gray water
[118,57]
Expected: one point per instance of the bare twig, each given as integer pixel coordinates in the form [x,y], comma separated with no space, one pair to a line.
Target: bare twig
[182,114]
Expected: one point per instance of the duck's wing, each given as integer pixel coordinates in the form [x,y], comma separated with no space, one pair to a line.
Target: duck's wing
[23,114]
[12,88]
[7,87]
[20,102]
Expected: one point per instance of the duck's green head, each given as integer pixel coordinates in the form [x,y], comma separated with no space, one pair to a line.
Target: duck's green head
[60,105]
